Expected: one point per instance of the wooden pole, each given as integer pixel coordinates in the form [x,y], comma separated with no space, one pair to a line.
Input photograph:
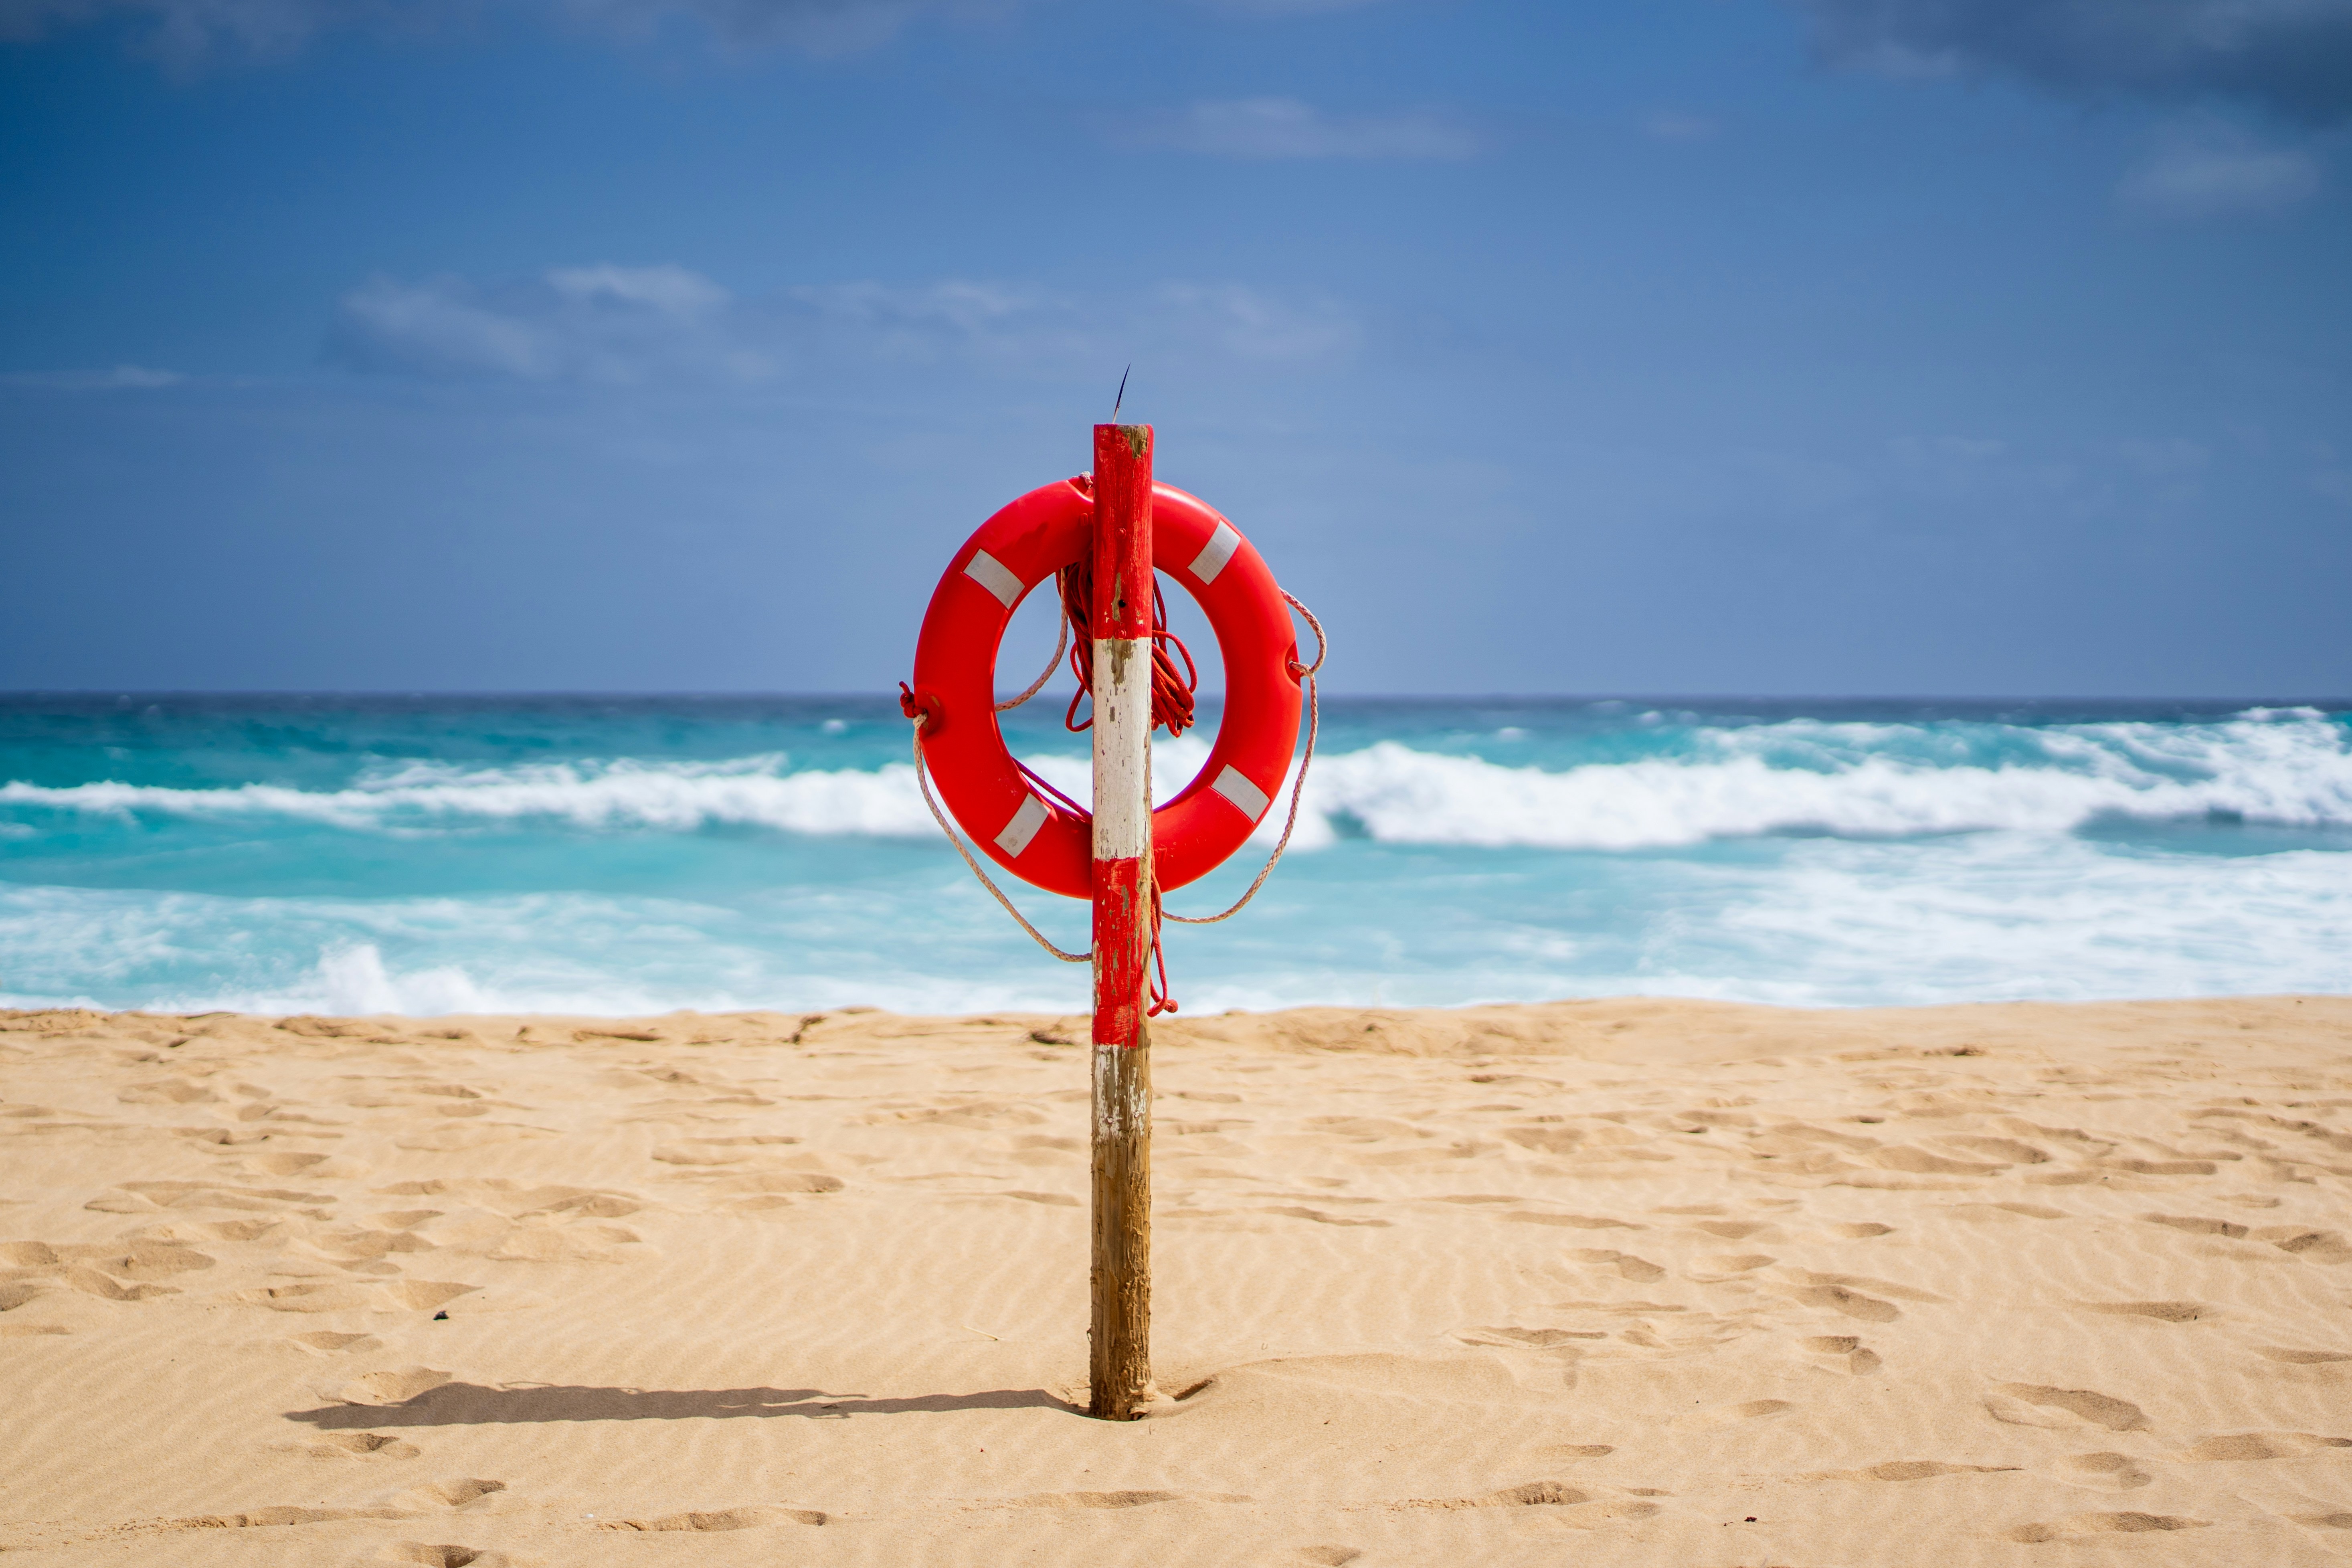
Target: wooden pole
[1120,1366]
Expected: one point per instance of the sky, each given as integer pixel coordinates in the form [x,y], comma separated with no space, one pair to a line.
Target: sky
[1770,347]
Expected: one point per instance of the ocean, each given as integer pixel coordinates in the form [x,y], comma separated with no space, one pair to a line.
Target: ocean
[637,854]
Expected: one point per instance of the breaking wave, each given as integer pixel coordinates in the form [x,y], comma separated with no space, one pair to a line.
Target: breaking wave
[2289,767]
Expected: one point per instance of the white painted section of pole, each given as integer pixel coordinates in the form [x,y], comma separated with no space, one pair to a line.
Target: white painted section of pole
[1123,747]
[1122,1100]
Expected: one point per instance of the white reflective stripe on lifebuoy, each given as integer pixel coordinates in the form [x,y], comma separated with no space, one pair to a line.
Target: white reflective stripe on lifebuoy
[1024,824]
[1216,553]
[996,577]
[1236,786]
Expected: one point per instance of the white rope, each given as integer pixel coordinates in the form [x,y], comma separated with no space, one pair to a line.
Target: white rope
[923,777]
[1297,787]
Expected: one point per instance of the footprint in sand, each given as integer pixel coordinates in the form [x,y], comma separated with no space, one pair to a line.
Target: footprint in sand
[1550,1504]
[2238,1446]
[145,1258]
[2156,1311]
[1852,1303]
[752,1518]
[1842,1352]
[590,1204]
[1529,1494]
[296,1164]
[1540,1339]
[1910,1470]
[2036,1404]
[2325,1246]
[1860,1230]
[2197,1226]
[1319,1217]
[773,1182]
[1918,1161]
[1731,1414]
[2002,1214]
[426,1294]
[306,1297]
[466,1492]
[90,1282]
[2009,1149]
[2105,1472]
[2085,1525]
[394,1387]
[167,1091]
[450,1556]
[365,1445]
[1059,1501]
[1573,1450]
[15,1293]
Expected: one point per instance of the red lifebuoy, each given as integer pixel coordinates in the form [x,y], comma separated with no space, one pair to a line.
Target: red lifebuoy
[955,668]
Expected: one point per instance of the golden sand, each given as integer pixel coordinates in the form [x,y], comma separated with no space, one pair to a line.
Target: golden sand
[1629,1282]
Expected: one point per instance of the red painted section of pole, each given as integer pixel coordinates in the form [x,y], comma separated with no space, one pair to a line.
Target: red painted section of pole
[1122,531]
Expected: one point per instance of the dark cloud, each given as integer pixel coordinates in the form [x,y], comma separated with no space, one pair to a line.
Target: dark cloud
[2293,57]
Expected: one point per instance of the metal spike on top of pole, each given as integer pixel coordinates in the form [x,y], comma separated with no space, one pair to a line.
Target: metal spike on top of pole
[1120,1365]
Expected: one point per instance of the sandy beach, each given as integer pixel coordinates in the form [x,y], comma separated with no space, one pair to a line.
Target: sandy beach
[1612,1281]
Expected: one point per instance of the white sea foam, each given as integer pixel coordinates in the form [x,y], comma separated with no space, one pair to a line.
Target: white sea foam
[1816,922]
[1403,795]
[2287,767]
[625,794]
[2290,768]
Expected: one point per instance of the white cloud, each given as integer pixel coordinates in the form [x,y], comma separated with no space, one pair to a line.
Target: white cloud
[191,32]
[817,26]
[613,325]
[671,290]
[1671,125]
[123,377]
[1286,8]
[187,32]
[1275,127]
[1250,325]
[599,323]
[2213,172]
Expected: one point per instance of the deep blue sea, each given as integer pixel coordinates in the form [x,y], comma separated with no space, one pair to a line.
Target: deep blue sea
[635,855]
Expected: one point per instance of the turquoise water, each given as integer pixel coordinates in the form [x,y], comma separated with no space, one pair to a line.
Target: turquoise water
[637,854]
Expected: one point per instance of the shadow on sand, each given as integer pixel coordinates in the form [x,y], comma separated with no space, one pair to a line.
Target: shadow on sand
[472,1404]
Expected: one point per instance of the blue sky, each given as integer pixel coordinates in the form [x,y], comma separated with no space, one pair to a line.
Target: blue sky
[1753,346]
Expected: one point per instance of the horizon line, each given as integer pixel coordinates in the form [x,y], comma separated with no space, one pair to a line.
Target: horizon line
[881,696]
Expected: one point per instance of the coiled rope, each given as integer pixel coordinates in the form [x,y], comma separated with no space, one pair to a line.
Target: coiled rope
[1173,709]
